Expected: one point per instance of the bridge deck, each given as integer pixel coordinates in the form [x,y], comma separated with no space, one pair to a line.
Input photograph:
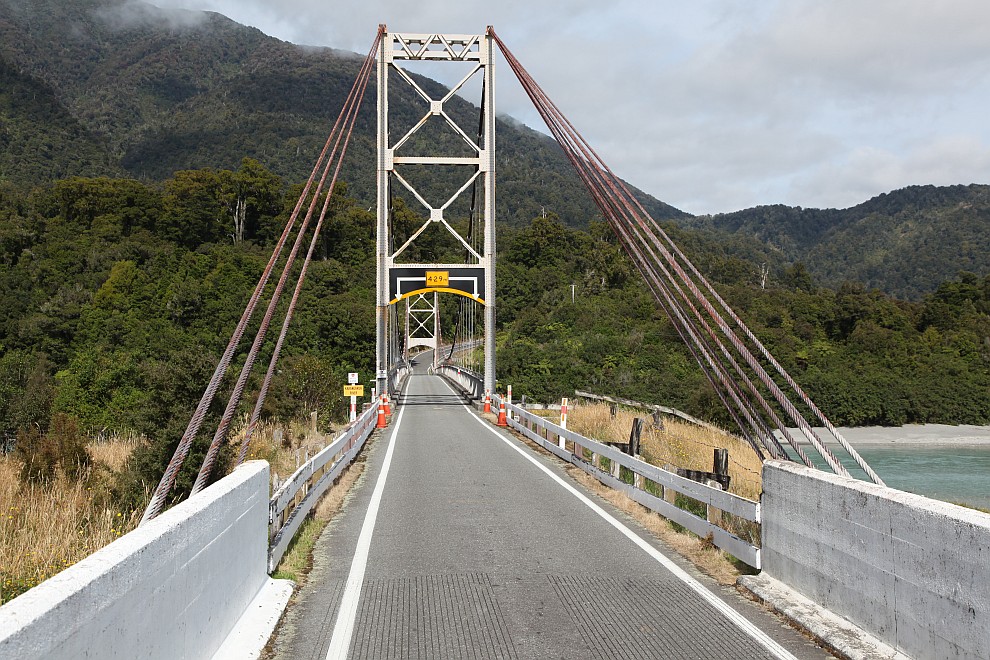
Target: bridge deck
[471,550]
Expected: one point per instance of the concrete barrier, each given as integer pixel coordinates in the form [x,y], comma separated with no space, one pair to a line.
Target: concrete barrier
[173,588]
[912,571]
[468,382]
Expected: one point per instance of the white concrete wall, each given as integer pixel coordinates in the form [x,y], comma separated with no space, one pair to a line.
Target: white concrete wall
[913,571]
[173,588]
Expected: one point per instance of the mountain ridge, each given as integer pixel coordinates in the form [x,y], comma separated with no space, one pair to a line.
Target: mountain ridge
[171,91]
[124,88]
[905,242]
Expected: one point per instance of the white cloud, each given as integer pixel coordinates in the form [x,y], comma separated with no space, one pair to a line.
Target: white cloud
[721,105]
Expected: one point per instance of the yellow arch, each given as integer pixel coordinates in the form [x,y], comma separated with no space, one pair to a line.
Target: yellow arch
[441,289]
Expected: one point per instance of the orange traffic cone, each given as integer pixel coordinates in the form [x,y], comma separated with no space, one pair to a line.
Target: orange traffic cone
[501,415]
[388,411]
[382,422]
[488,401]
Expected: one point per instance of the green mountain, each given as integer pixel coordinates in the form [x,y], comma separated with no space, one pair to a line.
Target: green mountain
[123,88]
[904,243]
[146,92]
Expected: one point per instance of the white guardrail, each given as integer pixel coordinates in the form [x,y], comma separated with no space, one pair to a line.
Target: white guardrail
[571,447]
[296,497]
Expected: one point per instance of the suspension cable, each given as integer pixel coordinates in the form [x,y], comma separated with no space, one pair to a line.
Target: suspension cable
[158,499]
[650,248]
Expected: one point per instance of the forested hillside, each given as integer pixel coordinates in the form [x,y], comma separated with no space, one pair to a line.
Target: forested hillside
[146,92]
[904,243]
[117,297]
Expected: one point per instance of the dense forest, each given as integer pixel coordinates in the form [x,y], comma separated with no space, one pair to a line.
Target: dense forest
[117,297]
[130,136]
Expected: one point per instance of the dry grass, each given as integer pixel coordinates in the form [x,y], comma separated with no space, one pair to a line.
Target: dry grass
[284,446]
[678,443]
[45,529]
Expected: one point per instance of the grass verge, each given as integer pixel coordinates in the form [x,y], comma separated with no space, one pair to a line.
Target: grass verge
[298,559]
[45,528]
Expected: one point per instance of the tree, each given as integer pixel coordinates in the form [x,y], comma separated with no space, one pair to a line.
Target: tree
[250,193]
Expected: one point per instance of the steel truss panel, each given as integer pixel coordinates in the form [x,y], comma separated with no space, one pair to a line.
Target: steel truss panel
[477,49]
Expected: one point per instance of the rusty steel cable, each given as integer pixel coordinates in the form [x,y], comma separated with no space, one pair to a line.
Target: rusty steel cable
[354,107]
[348,113]
[614,209]
[646,229]
[643,265]
[158,499]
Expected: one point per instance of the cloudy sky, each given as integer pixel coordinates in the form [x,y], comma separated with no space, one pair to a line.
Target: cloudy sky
[719,105]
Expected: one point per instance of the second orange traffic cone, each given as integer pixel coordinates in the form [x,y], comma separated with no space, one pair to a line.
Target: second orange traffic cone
[382,422]
[501,415]
[488,401]
[388,411]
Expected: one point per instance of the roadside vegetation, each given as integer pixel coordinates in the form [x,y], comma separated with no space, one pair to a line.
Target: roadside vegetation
[60,497]
[51,519]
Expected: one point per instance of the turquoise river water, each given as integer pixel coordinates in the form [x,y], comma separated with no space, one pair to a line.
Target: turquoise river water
[942,462]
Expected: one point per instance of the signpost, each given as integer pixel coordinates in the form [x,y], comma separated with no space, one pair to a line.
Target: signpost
[353,390]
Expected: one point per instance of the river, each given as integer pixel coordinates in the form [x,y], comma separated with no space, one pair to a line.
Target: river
[950,463]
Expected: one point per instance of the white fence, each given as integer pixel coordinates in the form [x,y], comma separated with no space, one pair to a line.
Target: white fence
[297,496]
[469,381]
[575,448]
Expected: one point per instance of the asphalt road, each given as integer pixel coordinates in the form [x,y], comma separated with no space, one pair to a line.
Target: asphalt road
[459,541]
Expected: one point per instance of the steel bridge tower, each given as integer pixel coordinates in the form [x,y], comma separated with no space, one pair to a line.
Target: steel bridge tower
[475,278]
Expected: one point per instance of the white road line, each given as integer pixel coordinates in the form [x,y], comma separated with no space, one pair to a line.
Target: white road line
[735,617]
[343,629]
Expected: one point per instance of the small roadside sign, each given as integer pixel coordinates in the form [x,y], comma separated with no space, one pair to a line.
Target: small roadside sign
[352,377]
[353,390]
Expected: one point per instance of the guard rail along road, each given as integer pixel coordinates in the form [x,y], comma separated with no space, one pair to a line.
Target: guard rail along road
[296,497]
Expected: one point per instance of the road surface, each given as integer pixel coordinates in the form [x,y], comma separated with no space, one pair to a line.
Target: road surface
[460,541]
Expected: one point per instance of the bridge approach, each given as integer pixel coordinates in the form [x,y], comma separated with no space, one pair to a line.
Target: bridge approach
[460,540]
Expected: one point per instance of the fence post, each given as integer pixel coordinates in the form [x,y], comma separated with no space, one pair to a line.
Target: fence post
[721,468]
[563,413]
[634,435]
[669,494]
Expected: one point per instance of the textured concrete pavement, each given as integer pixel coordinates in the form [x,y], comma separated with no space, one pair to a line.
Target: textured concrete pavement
[477,553]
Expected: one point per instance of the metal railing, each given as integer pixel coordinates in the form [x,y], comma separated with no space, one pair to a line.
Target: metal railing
[587,454]
[296,497]
[469,381]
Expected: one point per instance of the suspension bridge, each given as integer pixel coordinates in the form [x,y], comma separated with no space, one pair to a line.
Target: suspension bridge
[468,535]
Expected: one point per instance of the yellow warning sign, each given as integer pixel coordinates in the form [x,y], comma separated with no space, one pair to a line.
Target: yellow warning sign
[353,390]
[437,278]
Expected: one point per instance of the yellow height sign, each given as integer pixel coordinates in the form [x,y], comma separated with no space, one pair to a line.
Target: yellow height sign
[437,278]
[353,390]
